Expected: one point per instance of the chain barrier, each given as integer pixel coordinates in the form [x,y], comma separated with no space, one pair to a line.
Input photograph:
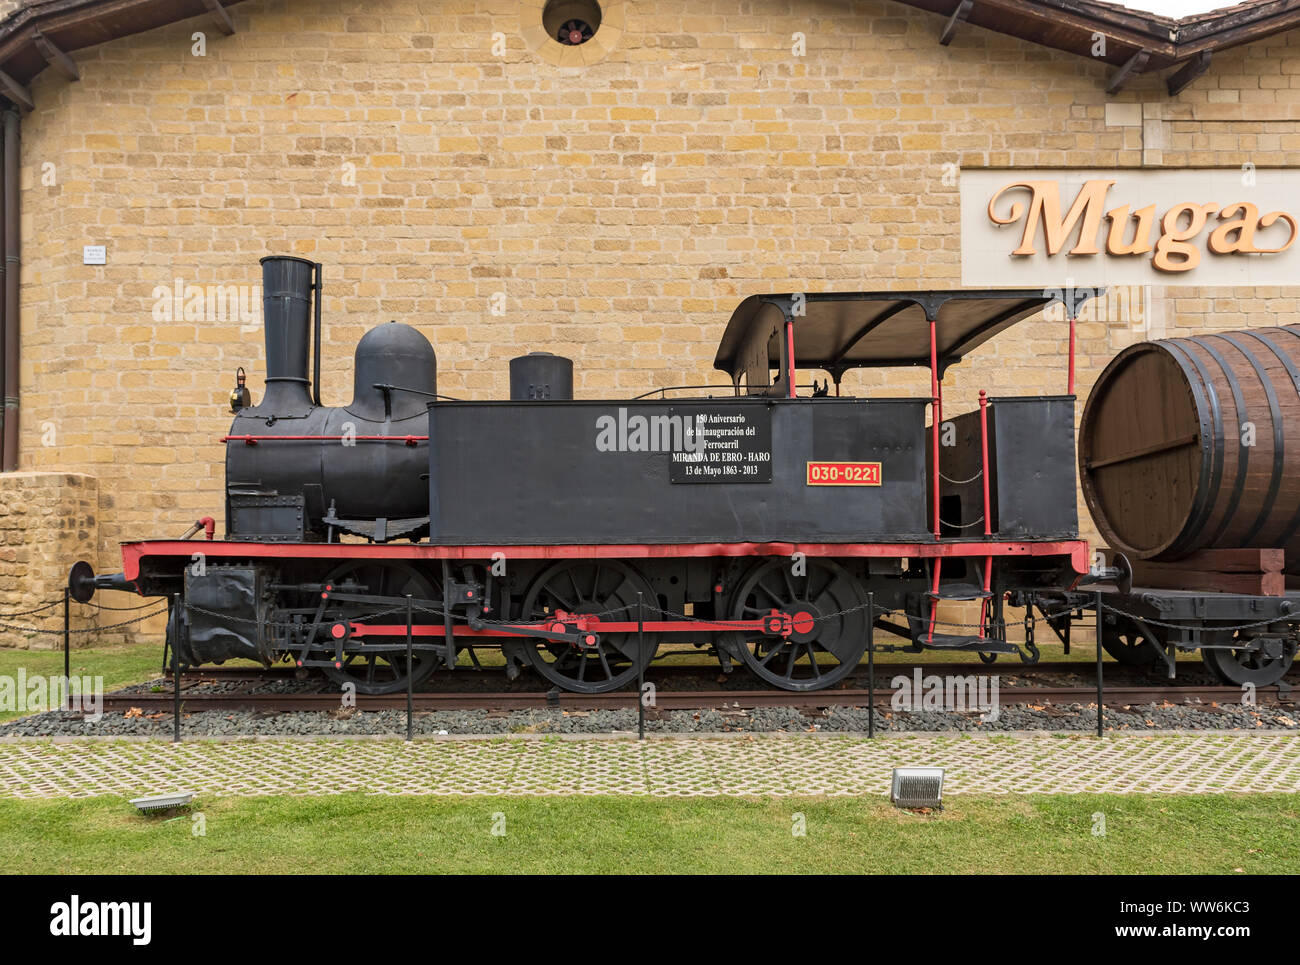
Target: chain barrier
[38,609]
[101,606]
[973,522]
[59,632]
[1284,618]
[278,625]
[94,606]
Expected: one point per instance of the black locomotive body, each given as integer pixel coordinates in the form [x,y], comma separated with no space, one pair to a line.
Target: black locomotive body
[306,491]
[769,525]
[624,472]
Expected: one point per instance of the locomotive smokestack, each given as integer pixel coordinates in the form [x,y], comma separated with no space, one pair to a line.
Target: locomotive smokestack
[286,314]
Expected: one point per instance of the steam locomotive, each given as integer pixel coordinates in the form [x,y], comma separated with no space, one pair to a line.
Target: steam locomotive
[775,527]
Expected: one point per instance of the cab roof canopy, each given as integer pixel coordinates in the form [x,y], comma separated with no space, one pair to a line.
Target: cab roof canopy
[838,331]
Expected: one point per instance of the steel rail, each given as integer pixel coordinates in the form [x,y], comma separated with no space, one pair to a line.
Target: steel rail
[1118,696]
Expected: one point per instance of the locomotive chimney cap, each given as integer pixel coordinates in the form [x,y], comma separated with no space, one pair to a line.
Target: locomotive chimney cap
[305,261]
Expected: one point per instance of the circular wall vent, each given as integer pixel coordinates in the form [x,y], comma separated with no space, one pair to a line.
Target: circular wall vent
[572,33]
[571,22]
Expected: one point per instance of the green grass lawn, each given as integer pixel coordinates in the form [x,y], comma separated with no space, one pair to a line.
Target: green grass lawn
[1221,834]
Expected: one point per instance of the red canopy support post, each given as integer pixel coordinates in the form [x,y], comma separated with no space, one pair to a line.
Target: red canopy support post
[936,416]
[988,521]
[789,353]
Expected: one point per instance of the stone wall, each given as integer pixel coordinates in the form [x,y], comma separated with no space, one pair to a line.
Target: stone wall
[48,521]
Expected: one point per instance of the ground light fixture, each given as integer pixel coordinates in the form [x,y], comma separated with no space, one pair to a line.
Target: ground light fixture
[917,787]
[162,802]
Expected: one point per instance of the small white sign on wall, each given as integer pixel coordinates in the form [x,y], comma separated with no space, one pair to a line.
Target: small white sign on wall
[94,255]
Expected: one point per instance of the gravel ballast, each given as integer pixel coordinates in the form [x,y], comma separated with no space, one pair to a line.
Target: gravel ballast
[1066,717]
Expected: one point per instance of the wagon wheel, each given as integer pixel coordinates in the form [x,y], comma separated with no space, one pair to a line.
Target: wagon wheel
[1240,667]
[379,672]
[1127,642]
[825,643]
[605,587]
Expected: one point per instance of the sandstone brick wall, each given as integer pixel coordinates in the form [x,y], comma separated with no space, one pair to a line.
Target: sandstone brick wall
[48,521]
[430,174]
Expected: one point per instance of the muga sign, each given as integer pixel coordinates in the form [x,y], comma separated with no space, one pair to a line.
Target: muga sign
[1192,227]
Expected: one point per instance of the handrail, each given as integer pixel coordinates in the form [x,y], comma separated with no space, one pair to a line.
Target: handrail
[254,440]
[676,388]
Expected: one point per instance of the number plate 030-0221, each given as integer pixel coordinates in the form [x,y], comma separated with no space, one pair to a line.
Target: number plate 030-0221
[843,474]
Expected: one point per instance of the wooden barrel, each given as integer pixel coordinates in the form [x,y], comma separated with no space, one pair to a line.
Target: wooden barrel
[1194,443]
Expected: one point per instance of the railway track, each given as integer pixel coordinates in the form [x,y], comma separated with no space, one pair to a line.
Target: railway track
[665,700]
[884,671]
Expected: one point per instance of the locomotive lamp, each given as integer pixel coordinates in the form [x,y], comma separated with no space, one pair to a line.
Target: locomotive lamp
[239,397]
[917,787]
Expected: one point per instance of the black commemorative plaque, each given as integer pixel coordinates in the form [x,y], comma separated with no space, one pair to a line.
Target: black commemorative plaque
[723,444]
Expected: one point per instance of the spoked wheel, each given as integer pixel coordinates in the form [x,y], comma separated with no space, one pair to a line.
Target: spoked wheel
[379,671]
[824,645]
[605,587]
[1127,642]
[1247,666]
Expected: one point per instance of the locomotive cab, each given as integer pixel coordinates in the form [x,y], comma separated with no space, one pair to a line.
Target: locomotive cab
[1030,439]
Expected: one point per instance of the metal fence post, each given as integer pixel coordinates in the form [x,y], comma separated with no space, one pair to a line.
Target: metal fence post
[871,665]
[67,645]
[176,673]
[640,673]
[1100,685]
[410,672]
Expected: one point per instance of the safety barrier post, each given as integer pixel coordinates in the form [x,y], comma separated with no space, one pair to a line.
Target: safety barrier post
[67,643]
[640,673]
[871,665]
[410,671]
[1100,686]
[176,673]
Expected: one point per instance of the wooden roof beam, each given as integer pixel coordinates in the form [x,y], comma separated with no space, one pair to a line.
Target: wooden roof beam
[1184,75]
[1122,75]
[16,92]
[55,57]
[224,23]
[958,17]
